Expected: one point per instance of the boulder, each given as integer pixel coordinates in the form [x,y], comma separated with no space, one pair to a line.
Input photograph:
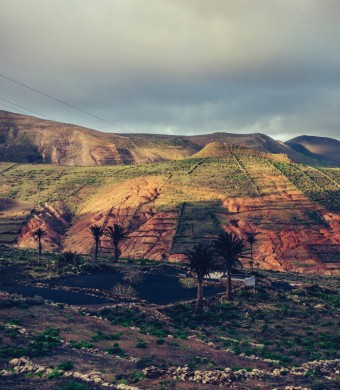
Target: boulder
[14,362]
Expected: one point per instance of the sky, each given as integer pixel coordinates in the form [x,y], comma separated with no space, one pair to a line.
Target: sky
[176,66]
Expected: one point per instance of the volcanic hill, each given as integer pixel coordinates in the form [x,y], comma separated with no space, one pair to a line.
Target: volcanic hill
[323,148]
[170,206]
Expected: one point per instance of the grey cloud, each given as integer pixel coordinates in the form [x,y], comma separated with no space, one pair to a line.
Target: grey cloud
[180,66]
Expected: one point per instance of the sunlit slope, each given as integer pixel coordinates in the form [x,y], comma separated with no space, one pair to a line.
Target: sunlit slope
[25,138]
[169,207]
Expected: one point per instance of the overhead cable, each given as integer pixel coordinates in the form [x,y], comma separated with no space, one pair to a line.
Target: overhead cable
[60,101]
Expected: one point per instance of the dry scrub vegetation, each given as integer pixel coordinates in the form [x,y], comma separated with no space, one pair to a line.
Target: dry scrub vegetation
[281,323]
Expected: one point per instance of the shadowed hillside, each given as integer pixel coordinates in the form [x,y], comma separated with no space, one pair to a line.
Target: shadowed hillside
[327,149]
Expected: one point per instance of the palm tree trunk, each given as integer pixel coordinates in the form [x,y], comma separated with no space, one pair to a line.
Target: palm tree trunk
[116,253]
[199,299]
[96,250]
[40,246]
[229,293]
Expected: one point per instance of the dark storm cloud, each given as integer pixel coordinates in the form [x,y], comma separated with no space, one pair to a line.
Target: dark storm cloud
[178,66]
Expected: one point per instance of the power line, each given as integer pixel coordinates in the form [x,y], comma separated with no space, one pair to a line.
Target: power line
[12,108]
[60,101]
[25,108]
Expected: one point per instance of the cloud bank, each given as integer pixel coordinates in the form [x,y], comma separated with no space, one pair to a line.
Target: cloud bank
[177,66]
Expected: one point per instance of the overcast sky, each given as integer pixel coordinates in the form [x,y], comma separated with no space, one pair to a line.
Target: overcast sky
[177,66]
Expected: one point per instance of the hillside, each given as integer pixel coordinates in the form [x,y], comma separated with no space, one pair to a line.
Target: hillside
[256,141]
[170,206]
[222,149]
[71,326]
[327,149]
[280,334]
[26,139]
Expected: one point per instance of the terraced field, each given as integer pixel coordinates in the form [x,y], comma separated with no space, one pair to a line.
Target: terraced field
[169,207]
[13,215]
[317,184]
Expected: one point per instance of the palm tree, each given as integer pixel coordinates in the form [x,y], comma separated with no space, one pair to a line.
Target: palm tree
[39,233]
[96,232]
[251,239]
[230,248]
[201,262]
[116,233]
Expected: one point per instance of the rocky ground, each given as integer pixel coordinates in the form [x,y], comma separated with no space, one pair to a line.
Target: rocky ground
[281,334]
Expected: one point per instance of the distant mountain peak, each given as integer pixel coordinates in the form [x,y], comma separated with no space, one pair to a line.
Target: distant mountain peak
[323,148]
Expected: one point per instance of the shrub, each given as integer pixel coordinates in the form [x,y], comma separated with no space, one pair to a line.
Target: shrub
[69,258]
[44,342]
[150,330]
[181,335]
[66,365]
[69,317]
[198,361]
[115,350]
[141,343]
[133,276]
[36,300]
[13,333]
[7,352]
[81,344]
[54,374]
[146,362]
[188,282]
[72,385]
[167,384]
[124,290]
[135,376]
[98,336]
[14,321]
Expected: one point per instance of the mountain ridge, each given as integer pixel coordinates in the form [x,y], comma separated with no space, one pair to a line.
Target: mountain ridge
[27,139]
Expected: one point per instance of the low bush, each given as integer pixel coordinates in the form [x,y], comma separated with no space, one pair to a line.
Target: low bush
[54,374]
[124,290]
[72,385]
[188,282]
[141,343]
[44,341]
[67,365]
[135,376]
[115,350]
[81,344]
[98,336]
[147,362]
[198,361]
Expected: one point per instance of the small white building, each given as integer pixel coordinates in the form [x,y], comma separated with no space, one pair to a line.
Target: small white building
[248,280]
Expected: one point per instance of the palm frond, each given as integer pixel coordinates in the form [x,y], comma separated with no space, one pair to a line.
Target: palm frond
[201,260]
[230,248]
[96,231]
[251,237]
[39,233]
[116,233]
